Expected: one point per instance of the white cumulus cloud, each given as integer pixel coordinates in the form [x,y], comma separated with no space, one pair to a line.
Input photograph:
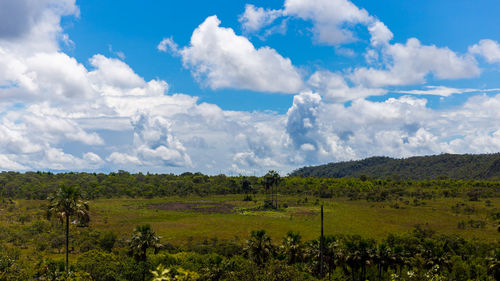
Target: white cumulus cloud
[255,18]
[410,63]
[219,58]
[488,49]
[168,45]
[329,18]
[334,88]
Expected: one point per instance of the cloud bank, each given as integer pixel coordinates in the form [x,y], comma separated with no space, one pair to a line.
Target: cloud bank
[62,114]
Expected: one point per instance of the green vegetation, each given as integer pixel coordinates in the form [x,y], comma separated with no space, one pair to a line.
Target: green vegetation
[197,227]
[65,204]
[444,166]
[41,185]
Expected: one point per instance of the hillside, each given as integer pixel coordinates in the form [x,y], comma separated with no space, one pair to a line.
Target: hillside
[455,166]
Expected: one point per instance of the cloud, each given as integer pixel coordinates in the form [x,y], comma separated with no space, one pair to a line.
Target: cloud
[53,129]
[92,158]
[28,25]
[58,113]
[410,63]
[399,64]
[54,75]
[19,17]
[124,159]
[114,72]
[330,18]
[7,164]
[333,21]
[488,49]
[168,45]
[155,144]
[119,54]
[255,18]
[334,88]
[219,58]
[301,121]
[174,132]
[443,91]
[404,127]
[249,159]
[437,91]
[380,34]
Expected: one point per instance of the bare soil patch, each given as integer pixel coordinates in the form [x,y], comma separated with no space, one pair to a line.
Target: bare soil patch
[199,207]
[306,213]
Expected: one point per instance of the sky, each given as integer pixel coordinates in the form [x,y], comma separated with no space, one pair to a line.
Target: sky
[243,87]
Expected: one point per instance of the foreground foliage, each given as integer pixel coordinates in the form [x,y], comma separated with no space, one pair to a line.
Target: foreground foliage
[418,255]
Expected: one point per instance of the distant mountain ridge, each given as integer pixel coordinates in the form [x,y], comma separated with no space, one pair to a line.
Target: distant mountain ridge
[453,166]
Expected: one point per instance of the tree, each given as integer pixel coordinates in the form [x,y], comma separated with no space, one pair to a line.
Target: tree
[246,187]
[292,247]
[271,181]
[107,241]
[143,239]
[100,265]
[360,253]
[67,203]
[259,247]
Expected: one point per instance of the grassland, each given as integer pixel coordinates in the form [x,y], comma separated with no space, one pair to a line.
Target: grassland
[180,219]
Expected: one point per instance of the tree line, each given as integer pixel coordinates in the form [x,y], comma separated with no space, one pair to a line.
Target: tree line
[40,185]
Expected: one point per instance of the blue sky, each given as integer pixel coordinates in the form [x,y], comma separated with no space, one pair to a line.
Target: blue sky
[241,87]
[135,27]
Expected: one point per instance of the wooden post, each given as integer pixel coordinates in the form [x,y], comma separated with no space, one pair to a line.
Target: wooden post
[67,244]
[321,245]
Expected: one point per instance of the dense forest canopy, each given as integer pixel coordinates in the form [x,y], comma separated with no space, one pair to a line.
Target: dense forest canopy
[453,166]
[39,185]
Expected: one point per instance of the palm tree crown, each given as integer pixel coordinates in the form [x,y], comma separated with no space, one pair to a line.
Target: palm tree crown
[144,238]
[292,247]
[259,247]
[68,202]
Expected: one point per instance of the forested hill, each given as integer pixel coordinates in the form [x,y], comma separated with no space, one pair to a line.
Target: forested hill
[454,166]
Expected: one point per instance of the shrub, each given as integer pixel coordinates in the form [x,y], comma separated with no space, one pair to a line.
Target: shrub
[99,265]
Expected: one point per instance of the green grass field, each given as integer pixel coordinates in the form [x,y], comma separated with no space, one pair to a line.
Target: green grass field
[178,219]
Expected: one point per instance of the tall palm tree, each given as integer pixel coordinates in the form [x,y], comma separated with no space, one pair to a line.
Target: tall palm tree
[246,187]
[271,181]
[143,239]
[259,247]
[67,203]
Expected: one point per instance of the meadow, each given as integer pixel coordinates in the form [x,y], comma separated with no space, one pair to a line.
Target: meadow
[194,218]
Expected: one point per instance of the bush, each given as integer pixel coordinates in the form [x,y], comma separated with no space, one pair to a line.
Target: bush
[100,265]
[107,241]
[57,242]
